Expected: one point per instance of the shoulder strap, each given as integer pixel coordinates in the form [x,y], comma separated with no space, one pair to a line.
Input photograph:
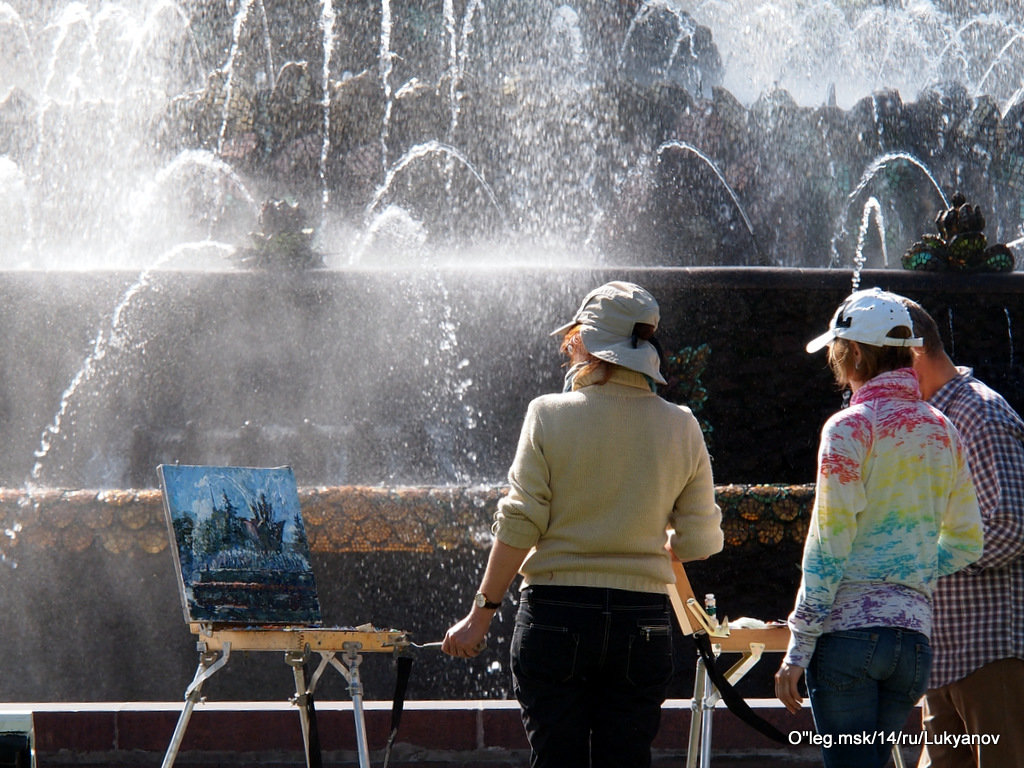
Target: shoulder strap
[404,667]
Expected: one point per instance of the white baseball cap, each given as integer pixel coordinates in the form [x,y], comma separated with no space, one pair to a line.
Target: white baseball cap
[867,317]
[606,319]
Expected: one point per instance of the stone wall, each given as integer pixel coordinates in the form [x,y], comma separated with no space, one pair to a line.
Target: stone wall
[420,377]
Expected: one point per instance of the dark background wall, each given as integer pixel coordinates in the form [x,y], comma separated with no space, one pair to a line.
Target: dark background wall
[417,377]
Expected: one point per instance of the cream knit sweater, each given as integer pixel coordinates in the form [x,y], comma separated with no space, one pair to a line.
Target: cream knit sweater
[599,475]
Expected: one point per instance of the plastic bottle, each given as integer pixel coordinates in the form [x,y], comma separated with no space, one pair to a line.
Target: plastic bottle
[711,607]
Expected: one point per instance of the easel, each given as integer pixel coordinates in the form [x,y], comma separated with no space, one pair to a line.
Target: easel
[297,643]
[751,644]
[247,585]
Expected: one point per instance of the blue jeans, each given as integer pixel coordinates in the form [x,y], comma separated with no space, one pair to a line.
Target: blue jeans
[863,684]
[590,668]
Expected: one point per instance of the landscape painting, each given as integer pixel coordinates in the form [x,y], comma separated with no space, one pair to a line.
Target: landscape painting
[242,552]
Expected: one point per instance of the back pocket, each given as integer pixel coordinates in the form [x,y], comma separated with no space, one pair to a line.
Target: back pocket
[649,660]
[841,659]
[545,654]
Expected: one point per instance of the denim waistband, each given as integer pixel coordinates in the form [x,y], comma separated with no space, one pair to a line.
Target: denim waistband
[599,597]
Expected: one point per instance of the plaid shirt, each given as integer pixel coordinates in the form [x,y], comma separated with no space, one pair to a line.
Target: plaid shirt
[979,611]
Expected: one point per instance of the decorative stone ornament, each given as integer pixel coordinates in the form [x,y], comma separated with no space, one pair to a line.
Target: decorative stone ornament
[960,246]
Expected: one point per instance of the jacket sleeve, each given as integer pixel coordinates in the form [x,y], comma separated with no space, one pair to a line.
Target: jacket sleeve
[997,463]
[961,536]
[839,499]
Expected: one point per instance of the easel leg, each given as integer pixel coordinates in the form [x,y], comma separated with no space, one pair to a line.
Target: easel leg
[208,664]
[707,706]
[350,671]
[307,714]
[697,745]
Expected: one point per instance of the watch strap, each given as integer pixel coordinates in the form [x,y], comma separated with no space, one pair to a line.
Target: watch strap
[481,600]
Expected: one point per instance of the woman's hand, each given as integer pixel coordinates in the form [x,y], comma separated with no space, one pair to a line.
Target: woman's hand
[466,638]
[787,688]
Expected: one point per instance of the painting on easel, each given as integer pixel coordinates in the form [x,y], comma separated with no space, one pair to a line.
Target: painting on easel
[242,552]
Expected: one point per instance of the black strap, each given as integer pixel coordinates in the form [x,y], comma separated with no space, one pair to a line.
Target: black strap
[730,696]
[404,667]
[314,758]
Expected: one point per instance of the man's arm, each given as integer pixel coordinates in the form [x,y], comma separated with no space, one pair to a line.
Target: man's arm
[997,464]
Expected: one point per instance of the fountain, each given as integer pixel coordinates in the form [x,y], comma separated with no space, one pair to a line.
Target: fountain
[334,235]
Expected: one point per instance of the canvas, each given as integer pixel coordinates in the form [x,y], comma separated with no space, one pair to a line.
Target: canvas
[240,544]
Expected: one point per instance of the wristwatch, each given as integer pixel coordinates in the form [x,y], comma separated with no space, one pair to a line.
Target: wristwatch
[480,601]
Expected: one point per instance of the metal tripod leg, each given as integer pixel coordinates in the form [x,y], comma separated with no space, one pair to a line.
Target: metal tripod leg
[209,663]
[304,700]
[350,671]
[705,696]
[700,719]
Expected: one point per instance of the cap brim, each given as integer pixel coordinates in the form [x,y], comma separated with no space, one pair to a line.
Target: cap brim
[563,329]
[821,341]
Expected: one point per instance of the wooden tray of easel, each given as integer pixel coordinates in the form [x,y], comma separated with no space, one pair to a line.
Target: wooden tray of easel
[692,617]
[301,639]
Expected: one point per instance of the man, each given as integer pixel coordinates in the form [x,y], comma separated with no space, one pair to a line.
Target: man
[974,706]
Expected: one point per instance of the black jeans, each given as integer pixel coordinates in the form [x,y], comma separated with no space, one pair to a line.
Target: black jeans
[590,668]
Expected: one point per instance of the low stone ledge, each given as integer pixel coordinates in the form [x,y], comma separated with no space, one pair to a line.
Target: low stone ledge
[137,733]
[351,518]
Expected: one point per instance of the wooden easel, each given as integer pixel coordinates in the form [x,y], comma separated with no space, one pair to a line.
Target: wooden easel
[751,644]
[297,643]
[248,586]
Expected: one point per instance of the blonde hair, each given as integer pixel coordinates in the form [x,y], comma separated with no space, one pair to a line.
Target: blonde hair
[873,360]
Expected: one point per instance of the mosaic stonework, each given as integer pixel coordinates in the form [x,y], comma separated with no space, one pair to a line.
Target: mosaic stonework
[765,515]
[683,371]
[352,518]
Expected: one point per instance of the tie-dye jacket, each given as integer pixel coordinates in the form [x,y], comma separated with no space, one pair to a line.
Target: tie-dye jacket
[894,509]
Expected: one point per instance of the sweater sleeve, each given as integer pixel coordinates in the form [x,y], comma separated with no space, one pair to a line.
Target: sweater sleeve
[696,519]
[839,499]
[523,514]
